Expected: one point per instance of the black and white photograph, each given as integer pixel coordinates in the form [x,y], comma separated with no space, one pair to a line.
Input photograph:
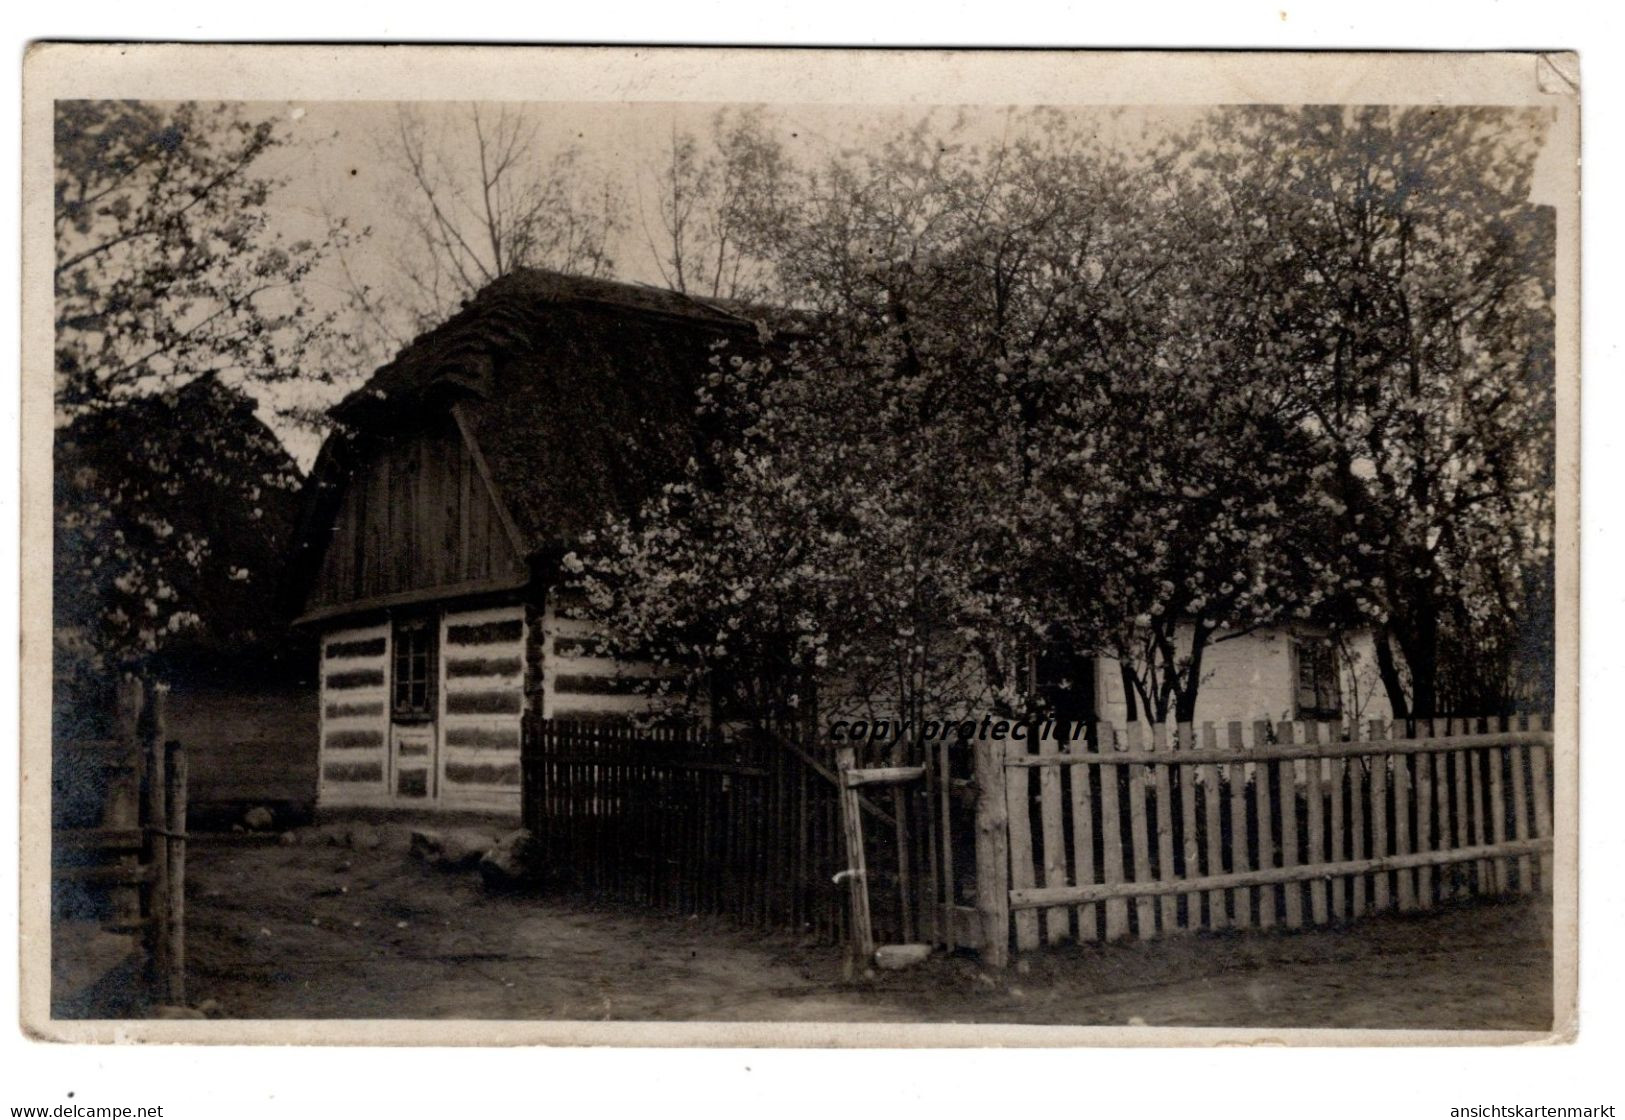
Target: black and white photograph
[1027,561]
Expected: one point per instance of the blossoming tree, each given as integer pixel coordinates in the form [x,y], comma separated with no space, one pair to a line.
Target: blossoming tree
[174,295]
[1129,399]
[1419,276]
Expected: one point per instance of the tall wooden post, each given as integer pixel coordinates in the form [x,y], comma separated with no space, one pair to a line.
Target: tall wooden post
[992,854]
[945,782]
[856,873]
[175,881]
[900,802]
[121,807]
[154,843]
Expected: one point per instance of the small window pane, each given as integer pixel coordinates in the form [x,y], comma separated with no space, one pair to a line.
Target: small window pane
[413,691]
[1319,696]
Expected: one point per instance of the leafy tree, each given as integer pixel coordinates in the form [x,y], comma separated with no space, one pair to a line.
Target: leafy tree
[893,459]
[1419,323]
[1176,478]
[174,296]
[173,513]
[809,550]
[831,535]
[1130,400]
[166,264]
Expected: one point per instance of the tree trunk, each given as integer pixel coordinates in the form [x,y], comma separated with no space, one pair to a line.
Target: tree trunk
[1185,701]
[1130,687]
[1389,672]
[1422,655]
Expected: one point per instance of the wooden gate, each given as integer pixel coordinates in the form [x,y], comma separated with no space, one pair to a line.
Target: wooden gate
[919,858]
[1148,832]
[745,827]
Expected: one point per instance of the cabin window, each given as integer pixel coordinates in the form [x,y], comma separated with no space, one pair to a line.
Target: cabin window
[414,664]
[1318,695]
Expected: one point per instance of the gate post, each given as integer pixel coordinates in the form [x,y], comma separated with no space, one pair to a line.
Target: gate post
[992,854]
[175,875]
[155,844]
[121,796]
[856,873]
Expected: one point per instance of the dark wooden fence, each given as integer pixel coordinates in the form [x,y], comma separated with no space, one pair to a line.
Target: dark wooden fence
[744,827]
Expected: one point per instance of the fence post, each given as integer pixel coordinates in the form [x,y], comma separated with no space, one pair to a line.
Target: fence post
[992,854]
[946,932]
[175,884]
[856,873]
[155,844]
[121,798]
[1538,758]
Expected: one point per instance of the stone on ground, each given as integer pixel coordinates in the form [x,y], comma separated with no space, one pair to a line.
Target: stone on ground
[508,863]
[894,957]
[450,849]
[425,844]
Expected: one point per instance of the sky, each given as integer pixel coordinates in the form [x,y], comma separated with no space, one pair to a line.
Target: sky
[339,163]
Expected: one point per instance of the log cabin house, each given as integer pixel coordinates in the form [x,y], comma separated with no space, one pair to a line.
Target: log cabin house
[436,515]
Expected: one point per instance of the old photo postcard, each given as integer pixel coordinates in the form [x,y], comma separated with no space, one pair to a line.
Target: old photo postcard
[820,548]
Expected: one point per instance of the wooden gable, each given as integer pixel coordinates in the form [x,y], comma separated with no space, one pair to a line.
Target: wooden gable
[418,519]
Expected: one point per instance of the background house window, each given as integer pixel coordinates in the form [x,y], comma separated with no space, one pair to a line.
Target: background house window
[1318,694]
[414,664]
[1065,682]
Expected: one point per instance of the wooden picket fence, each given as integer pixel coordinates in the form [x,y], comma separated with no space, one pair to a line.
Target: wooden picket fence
[1131,832]
[691,822]
[1148,832]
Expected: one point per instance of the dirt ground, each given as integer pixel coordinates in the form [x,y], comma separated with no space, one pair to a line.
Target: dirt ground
[322,930]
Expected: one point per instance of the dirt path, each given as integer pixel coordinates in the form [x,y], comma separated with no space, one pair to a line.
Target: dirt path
[320,931]
[315,931]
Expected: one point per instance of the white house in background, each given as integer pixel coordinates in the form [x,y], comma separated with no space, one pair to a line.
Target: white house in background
[1278,673]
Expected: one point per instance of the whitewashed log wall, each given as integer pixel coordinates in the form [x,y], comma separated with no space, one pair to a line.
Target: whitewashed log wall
[482,699]
[492,664]
[579,682]
[354,768]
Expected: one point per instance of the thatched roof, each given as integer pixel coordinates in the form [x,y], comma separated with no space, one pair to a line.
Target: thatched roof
[579,393]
